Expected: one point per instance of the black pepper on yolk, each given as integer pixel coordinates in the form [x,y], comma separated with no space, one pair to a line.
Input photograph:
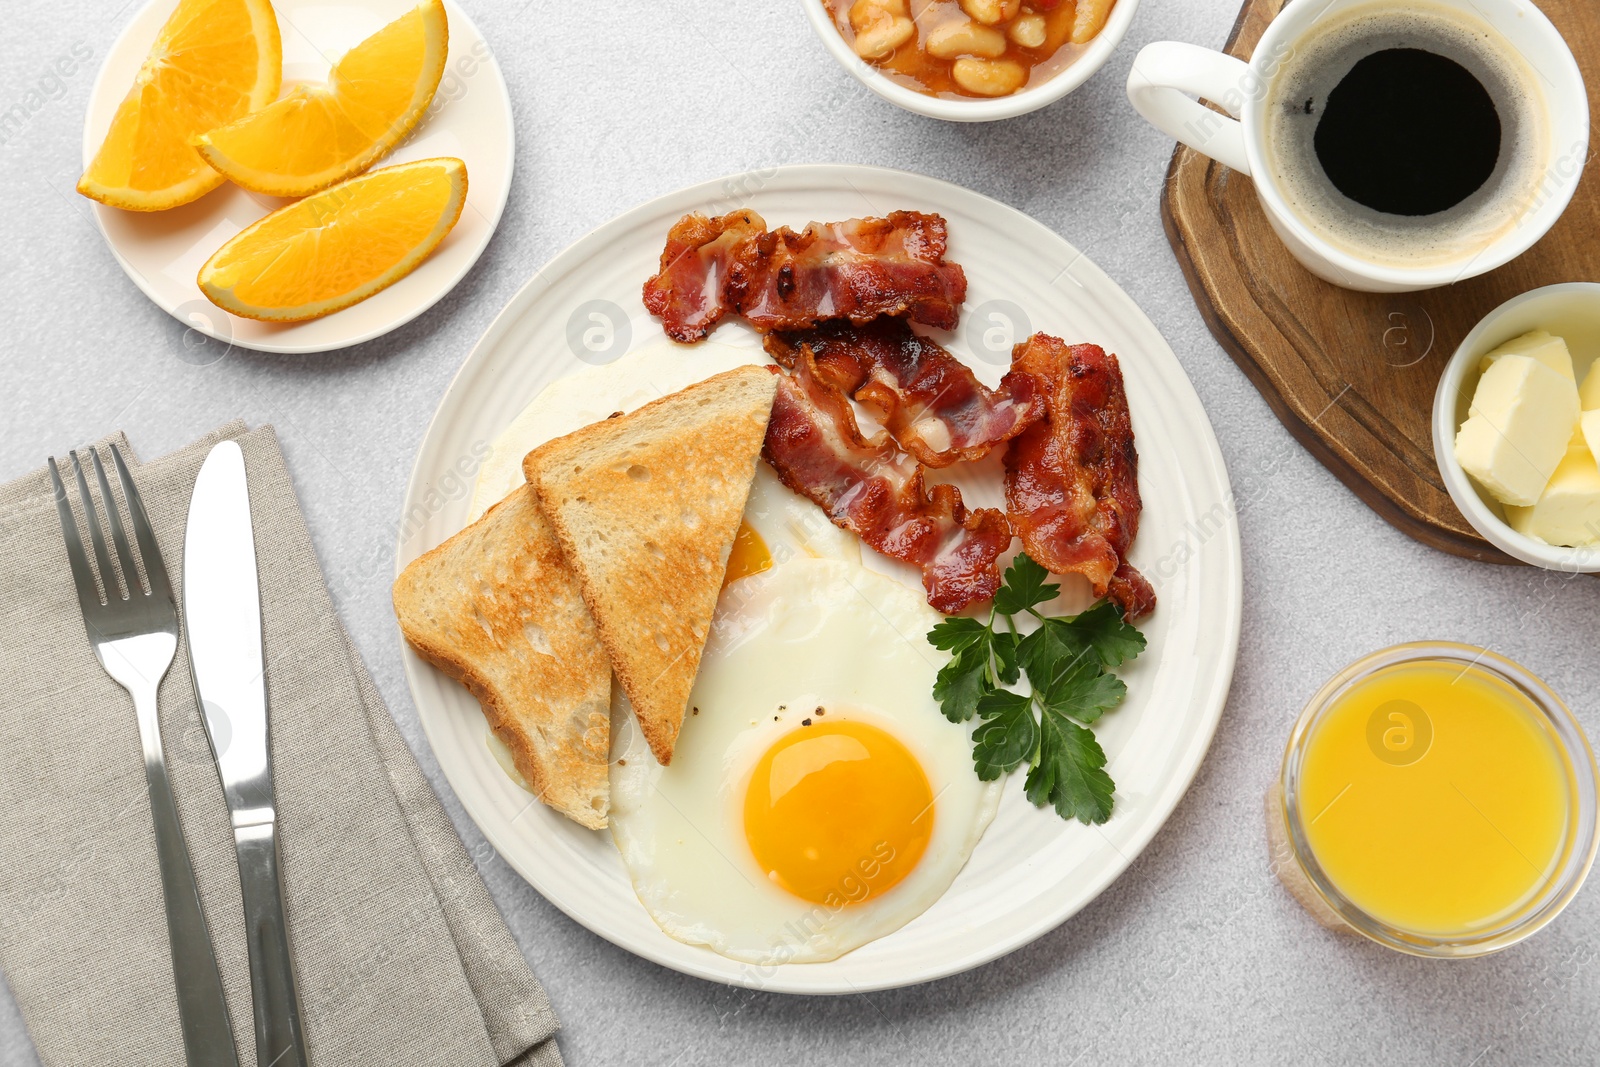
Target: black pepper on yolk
[838,813]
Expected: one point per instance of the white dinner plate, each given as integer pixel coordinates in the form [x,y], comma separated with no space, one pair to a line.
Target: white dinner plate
[470,118]
[1031,870]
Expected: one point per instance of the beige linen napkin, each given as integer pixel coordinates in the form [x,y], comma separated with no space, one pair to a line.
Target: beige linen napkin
[401,955]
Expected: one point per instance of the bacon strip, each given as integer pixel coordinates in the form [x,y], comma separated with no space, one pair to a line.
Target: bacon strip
[870,487]
[782,280]
[1072,481]
[930,402]
[698,266]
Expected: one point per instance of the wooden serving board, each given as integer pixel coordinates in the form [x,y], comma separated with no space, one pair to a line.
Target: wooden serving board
[1352,375]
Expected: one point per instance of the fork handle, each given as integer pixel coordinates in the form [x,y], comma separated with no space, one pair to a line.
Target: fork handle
[280,1039]
[202,1008]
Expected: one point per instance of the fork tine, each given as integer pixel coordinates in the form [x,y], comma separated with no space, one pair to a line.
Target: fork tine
[119,539]
[91,519]
[82,577]
[155,571]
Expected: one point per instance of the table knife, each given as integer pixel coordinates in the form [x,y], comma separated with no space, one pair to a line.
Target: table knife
[222,616]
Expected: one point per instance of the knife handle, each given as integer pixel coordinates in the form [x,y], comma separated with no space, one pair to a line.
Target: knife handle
[280,1039]
[202,1008]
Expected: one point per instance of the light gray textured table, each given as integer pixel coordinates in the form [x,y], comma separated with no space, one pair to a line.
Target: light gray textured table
[1195,955]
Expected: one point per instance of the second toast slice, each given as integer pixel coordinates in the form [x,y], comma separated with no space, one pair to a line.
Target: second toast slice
[497,608]
[647,506]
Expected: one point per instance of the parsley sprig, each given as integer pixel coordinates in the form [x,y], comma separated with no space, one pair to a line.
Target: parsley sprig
[1067,660]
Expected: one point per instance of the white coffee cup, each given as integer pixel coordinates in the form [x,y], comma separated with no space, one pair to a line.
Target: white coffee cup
[1166,70]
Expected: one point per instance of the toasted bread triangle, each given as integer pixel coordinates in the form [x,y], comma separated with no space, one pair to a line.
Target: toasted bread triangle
[497,608]
[647,506]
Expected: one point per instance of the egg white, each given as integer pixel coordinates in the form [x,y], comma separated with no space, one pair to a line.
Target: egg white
[651,371]
[809,632]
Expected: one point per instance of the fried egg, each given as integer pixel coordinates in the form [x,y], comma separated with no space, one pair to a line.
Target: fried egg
[817,799]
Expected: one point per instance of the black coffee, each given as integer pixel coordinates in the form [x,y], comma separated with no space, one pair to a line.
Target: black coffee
[1404,133]
[1407,132]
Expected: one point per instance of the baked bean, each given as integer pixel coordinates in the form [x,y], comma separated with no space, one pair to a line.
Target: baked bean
[1028,31]
[879,31]
[990,12]
[989,77]
[952,39]
[1089,19]
[864,13]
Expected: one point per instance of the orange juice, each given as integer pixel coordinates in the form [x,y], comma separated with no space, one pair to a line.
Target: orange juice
[1436,797]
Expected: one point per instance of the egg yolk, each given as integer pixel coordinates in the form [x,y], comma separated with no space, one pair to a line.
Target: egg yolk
[748,556]
[838,812]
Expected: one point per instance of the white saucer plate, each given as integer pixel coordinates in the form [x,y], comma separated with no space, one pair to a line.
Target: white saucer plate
[1031,871]
[470,118]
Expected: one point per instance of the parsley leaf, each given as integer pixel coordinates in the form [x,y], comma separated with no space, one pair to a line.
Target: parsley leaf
[1102,628]
[1007,736]
[958,633]
[982,657]
[1099,631]
[1005,647]
[1024,587]
[962,682]
[1054,642]
[1080,690]
[1069,687]
[1070,774]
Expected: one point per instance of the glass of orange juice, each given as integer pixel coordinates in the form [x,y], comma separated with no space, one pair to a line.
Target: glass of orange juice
[1436,798]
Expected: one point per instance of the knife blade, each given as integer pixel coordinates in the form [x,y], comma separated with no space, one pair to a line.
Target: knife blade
[222,617]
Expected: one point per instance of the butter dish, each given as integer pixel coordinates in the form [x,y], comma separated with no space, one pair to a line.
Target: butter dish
[1508,344]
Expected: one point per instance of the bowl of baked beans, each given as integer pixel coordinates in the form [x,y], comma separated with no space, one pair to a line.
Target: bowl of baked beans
[971,60]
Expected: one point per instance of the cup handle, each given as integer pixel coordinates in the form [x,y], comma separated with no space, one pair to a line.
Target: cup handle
[1164,71]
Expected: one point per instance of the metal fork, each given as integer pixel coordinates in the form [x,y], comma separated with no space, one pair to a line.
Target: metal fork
[134,632]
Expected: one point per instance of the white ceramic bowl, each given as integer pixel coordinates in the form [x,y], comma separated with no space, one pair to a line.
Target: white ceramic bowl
[973,109]
[1570,310]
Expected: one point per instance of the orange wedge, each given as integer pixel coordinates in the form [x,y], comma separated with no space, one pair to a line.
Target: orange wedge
[214,61]
[322,134]
[337,248]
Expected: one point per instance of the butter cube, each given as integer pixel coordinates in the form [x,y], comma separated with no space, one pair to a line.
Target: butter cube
[1521,420]
[1589,391]
[1540,345]
[1588,432]
[1568,513]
